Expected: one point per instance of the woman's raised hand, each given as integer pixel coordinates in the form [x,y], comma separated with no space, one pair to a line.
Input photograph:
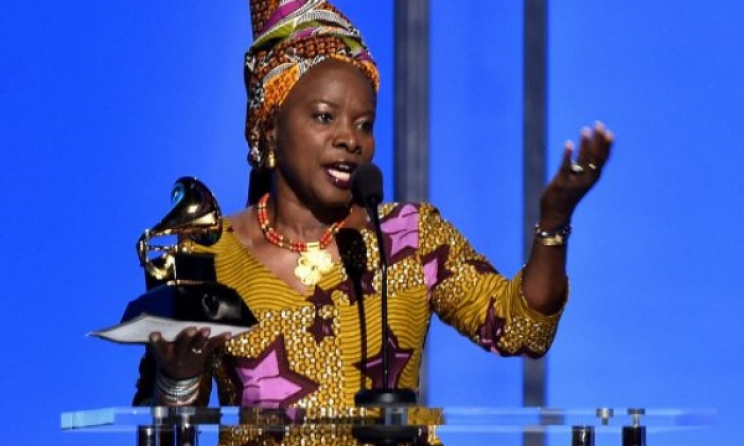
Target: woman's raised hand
[576,177]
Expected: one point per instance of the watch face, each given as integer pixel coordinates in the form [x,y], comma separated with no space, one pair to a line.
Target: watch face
[557,237]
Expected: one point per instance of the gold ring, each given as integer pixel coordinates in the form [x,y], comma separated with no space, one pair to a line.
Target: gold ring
[196,351]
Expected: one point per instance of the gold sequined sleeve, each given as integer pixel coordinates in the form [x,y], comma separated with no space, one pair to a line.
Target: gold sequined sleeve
[469,294]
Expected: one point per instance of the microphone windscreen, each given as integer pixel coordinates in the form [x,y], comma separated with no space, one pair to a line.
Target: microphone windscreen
[366,185]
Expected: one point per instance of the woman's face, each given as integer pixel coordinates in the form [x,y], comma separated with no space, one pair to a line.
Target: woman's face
[322,132]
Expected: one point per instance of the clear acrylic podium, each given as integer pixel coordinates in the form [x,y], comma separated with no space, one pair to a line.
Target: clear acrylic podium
[163,426]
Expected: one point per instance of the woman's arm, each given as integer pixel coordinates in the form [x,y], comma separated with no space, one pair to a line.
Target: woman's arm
[544,282]
[177,373]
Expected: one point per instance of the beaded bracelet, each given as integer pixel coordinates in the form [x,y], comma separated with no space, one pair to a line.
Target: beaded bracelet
[555,237]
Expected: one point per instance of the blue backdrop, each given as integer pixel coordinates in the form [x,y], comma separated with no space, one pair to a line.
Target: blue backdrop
[476,163]
[104,104]
[656,257]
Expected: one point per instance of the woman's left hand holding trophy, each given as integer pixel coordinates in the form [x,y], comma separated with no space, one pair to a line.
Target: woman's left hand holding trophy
[186,356]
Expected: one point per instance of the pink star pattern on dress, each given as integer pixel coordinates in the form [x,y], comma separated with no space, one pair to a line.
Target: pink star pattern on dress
[268,380]
[401,233]
[434,270]
[397,360]
[491,330]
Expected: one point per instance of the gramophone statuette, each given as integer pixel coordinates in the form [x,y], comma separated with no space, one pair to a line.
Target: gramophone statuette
[182,284]
[194,215]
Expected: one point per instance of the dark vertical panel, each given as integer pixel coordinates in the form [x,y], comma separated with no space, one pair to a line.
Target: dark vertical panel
[411,130]
[535,55]
[411,125]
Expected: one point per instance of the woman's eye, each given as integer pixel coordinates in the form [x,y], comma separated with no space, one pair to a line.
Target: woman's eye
[367,126]
[324,117]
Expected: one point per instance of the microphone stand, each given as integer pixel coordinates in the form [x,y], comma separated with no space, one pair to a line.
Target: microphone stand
[392,428]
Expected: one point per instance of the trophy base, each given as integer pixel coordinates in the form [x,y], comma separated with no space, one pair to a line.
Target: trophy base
[210,302]
[190,292]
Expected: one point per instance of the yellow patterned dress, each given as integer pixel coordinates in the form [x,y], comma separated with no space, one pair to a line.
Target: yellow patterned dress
[318,349]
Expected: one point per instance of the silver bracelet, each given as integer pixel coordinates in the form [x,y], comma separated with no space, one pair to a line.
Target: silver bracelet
[176,392]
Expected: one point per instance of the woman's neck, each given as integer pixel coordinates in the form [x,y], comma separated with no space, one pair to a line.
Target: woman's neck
[294,219]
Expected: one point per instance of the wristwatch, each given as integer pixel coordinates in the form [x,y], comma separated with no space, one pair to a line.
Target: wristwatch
[556,237]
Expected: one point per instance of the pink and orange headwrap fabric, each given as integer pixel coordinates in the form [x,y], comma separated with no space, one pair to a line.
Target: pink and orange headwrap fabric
[290,37]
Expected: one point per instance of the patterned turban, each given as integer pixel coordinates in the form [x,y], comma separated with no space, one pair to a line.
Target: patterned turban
[289,38]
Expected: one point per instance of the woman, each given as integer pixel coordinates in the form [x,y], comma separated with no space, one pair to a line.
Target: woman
[304,258]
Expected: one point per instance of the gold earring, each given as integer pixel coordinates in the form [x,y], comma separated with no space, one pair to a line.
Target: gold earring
[270,160]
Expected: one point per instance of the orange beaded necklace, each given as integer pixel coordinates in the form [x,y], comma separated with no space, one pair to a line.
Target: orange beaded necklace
[314,259]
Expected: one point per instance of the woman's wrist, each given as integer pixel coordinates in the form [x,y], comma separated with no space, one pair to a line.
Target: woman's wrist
[176,392]
[552,235]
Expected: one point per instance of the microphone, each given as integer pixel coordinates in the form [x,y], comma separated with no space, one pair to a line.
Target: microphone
[366,187]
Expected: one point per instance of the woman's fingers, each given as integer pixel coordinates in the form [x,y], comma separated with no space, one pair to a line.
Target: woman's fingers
[188,343]
[599,149]
[594,150]
[217,341]
[585,147]
[566,164]
[200,341]
[606,139]
[156,344]
[183,341]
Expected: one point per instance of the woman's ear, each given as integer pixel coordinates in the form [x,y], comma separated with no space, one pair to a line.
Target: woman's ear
[270,138]
[270,131]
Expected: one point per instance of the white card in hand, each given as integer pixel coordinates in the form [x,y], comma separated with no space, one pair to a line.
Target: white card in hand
[137,330]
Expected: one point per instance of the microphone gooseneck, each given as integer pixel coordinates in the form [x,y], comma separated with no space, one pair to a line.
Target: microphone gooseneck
[366,189]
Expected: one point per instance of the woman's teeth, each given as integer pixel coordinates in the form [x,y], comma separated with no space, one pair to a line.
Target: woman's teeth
[339,175]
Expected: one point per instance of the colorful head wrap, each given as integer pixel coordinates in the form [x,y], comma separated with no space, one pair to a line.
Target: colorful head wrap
[290,37]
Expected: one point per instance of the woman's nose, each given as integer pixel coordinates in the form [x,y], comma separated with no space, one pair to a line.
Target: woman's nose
[345,138]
